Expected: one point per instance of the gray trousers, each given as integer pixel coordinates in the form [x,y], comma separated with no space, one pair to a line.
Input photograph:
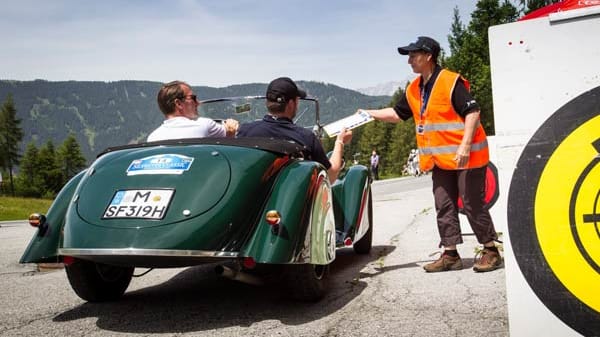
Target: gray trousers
[470,185]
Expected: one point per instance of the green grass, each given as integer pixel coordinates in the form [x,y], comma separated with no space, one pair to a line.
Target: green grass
[20,208]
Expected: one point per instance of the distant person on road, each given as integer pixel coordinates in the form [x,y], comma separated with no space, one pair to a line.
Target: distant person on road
[452,143]
[413,163]
[283,97]
[375,165]
[179,104]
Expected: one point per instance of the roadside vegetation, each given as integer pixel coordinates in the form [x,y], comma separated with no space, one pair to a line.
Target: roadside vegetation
[20,208]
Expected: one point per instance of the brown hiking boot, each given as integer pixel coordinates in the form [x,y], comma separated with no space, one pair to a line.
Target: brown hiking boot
[488,260]
[444,263]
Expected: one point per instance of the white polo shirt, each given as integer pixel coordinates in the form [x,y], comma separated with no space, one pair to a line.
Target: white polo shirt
[182,127]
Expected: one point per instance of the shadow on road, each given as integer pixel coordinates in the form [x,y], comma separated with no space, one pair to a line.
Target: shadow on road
[198,300]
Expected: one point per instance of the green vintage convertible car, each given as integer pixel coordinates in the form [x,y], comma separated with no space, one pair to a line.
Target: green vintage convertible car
[250,206]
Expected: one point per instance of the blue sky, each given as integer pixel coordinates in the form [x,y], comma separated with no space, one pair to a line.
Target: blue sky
[350,43]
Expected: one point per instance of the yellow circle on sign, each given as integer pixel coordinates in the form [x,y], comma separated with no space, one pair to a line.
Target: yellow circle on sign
[566,213]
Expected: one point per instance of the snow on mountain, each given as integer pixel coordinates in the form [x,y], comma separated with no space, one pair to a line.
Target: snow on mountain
[382,89]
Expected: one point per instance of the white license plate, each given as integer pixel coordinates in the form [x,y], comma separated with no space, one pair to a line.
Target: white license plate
[140,204]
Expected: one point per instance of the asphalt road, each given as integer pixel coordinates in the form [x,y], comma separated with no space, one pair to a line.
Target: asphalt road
[384,294]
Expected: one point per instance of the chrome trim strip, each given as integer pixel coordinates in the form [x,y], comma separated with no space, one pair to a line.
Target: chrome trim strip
[144,252]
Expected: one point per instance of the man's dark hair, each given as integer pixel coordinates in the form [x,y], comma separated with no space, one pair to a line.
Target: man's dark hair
[276,107]
[167,95]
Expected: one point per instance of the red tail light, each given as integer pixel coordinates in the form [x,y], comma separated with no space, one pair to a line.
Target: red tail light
[36,219]
[249,263]
[273,218]
[68,260]
[39,221]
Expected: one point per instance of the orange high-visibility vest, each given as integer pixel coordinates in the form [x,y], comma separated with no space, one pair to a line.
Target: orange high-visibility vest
[440,129]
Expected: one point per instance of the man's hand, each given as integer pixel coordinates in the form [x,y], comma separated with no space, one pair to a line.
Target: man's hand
[345,136]
[231,127]
[462,155]
[385,114]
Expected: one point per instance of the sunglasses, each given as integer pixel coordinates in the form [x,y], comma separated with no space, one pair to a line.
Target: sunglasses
[193,97]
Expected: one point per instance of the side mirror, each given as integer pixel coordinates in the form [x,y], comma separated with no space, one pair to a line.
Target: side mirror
[243,108]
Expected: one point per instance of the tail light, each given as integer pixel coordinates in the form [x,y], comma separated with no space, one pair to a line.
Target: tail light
[68,260]
[273,218]
[38,221]
[249,263]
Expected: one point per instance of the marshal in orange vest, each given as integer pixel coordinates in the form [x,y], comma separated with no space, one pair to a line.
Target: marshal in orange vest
[440,129]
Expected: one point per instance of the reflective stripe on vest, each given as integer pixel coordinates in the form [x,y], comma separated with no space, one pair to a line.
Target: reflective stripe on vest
[451,149]
[440,129]
[444,127]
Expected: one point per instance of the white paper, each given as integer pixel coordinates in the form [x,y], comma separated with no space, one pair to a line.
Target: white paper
[350,122]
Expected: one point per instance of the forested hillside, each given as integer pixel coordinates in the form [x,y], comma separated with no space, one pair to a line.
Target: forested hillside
[104,114]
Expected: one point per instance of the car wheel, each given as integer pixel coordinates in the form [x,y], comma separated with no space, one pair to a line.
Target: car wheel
[363,246]
[307,282]
[97,282]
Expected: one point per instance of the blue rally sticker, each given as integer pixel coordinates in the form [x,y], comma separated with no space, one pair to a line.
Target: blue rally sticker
[118,198]
[160,164]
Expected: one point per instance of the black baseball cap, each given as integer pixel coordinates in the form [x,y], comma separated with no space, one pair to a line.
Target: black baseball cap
[283,89]
[423,43]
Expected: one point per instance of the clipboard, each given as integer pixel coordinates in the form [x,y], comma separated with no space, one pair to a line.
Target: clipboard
[350,122]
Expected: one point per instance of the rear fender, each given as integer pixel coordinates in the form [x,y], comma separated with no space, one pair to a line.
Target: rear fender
[306,233]
[44,248]
[350,200]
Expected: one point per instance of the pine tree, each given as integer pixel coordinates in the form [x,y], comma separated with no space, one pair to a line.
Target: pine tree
[404,141]
[470,52]
[11,135]
[71,158]
[49,169]
[29,182]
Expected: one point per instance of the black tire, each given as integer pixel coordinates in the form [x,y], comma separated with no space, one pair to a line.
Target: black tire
[363,246]
[307,282]
[97,282]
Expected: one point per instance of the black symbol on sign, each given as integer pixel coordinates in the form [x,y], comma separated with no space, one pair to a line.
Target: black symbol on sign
[594,217]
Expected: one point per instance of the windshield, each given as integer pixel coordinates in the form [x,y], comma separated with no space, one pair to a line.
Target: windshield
[248,109]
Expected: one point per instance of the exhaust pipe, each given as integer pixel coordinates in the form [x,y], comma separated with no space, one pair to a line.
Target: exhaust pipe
[237,275]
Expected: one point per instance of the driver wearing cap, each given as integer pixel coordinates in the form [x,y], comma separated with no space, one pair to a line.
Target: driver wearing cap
[283,97]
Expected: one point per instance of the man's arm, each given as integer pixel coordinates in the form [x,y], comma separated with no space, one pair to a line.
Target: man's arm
[336,158]
[464,149]
[385,114]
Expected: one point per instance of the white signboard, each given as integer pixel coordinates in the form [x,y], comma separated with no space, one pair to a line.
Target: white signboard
[546,91]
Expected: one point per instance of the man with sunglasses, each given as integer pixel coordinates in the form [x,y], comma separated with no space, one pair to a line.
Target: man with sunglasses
[178,103]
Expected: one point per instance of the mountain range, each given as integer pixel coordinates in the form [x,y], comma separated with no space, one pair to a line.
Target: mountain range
[106,114]
[383,89]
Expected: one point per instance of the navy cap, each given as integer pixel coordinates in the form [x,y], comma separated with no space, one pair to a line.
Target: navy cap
[423,43]
[283,89]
